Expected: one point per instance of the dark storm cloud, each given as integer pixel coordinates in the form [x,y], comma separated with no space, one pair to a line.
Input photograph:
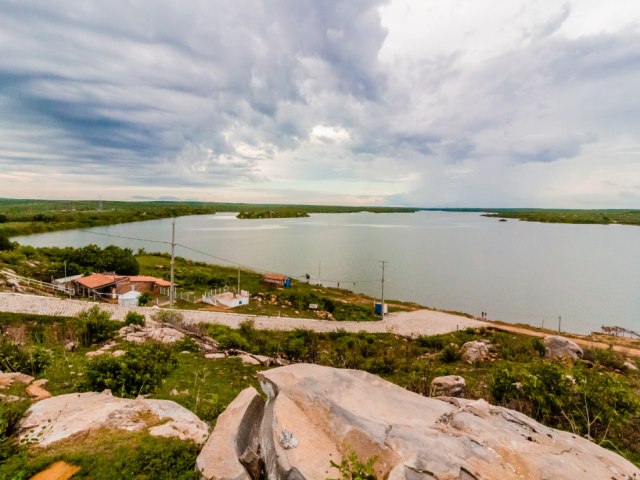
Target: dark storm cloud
[152,81]
[208,95]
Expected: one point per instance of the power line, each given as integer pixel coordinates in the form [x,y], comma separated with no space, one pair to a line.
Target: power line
[222,259]
[125,238]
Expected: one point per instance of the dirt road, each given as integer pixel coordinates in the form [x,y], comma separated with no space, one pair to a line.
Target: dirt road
[418,322]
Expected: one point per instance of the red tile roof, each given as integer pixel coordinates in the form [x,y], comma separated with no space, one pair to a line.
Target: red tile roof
[274,276]
[97,280]
[144,278]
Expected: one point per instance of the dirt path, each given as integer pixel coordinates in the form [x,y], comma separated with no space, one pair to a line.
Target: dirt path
[582,341]
[415,323]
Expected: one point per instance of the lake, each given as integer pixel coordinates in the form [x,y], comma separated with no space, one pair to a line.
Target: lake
[589,275]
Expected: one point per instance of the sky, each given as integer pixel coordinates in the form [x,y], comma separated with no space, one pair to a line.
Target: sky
[426,103]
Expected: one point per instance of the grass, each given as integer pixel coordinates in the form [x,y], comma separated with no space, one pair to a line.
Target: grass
[206,387]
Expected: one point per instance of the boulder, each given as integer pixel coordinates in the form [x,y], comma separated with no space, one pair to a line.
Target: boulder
[448,386]
[215,356]
[38,391]
[557,347]
[61,417]
[234,441]
[8,378]
[249,359]
[317,415]
[630,365]
[475,351]
[70,346]
[151,331]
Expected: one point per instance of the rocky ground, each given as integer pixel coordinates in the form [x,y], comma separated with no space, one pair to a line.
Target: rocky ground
[314,417]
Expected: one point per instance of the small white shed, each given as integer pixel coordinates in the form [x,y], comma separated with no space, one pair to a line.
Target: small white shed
[129,299]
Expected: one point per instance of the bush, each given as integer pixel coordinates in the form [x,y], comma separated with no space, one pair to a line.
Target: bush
[10,415]
[185,344]
[144,299]
[538,346]
[134,318]
[137,372]
[94,326]
[168,316]
[431,342]
[5,243]
[608,357]
[232,340]
[581,400]
[16,358]
[450,354]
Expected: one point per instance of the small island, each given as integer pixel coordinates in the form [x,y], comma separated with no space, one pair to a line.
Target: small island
[252,215]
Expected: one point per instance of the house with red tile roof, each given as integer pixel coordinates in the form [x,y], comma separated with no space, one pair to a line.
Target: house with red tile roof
[108,286]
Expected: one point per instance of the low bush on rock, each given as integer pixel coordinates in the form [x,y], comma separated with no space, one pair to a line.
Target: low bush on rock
[168,316]
[134,318]
[139,371]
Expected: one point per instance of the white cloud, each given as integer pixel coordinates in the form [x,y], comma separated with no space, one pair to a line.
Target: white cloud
[500,103]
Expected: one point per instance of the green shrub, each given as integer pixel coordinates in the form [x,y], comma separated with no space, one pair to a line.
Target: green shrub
[431,342]
[134,318]
[94,326]
[137,372]
[144,299]
[450,354]
[168,316]
[538,346]
[185,344]
[607,357]
[10,415]
[352,468]
[582,400]
[17,358]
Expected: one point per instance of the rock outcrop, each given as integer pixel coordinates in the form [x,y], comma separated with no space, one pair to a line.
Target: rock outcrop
[315,415]
[475,351]
[151,331]
[61,417]
[232,451]
[560,348]
[448,386]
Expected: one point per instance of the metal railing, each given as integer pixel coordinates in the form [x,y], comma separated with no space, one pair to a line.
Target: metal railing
[39,284]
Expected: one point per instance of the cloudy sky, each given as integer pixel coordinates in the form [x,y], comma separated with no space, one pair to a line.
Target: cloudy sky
[410,102]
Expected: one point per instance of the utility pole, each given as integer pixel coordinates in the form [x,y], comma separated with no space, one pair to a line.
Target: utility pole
[238,279]
[382,293]
[172,288]
[559,323]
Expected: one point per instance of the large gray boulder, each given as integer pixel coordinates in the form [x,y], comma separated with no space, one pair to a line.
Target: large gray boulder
[557,347]
[234,442]
[315,415]
[64,416]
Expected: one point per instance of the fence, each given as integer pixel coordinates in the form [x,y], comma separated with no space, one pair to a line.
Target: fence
[46,286]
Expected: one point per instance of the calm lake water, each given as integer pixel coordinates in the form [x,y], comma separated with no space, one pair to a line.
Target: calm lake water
[516,271]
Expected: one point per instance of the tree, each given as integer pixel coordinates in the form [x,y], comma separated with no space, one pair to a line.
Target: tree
[5,243]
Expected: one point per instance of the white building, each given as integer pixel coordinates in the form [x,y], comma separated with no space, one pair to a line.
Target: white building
[129,299]
[228,299]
